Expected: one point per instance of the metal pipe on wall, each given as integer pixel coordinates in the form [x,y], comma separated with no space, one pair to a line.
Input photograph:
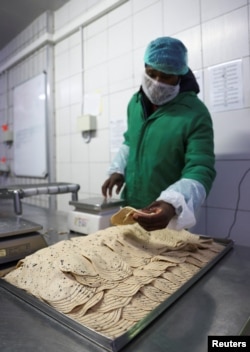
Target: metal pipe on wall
[50,121]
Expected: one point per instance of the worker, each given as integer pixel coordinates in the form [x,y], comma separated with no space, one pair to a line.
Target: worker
[165,166]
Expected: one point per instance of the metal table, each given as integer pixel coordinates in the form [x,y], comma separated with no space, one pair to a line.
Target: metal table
[218,304]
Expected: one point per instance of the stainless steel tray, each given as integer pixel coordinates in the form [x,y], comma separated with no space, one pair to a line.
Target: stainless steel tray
[98,339]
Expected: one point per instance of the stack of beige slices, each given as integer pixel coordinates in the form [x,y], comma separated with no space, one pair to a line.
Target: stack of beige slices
[111,279]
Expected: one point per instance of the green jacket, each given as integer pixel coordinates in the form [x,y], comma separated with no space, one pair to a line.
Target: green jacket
[174,142]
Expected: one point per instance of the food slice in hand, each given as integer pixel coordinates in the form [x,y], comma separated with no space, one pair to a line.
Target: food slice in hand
[125,216]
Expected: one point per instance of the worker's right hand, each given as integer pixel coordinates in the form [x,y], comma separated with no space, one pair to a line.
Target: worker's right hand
[114,180]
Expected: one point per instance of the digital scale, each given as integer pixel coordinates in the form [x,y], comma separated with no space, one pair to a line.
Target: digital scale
[92,214]
[18,238]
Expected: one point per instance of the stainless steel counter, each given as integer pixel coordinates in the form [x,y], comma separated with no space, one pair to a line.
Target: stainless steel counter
[218,304]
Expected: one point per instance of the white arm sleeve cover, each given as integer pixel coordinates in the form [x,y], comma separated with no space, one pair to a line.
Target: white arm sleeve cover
[186,196]
[120,160]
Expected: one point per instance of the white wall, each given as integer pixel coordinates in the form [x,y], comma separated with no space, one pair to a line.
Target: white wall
[215,32]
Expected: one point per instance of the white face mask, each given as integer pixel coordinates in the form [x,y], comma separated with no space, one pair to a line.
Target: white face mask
[157,92]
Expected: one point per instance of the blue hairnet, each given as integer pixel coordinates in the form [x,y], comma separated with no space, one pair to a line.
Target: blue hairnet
[168,55]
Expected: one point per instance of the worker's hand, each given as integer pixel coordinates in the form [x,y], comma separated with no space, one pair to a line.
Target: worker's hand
[157,215]
[114,180]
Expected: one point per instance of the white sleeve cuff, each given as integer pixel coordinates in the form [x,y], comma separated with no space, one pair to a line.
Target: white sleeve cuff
[184,218]
[120,160]
[186,196]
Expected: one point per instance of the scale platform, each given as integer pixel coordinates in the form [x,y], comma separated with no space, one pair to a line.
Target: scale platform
[18,238]
[92,214]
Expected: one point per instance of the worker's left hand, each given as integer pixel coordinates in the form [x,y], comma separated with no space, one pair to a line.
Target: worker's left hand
[157,215]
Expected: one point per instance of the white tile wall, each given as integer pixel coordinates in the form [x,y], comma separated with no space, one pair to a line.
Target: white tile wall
[139,5]
[118,104]
[63,121]
[62,66]
[124,11]
[96,182]
[75,88]
[75,111]
[79,149]
[62,93]
[63,150]
[98,26]
[96,79]
[192,39]
[214,31]
[147,24]
[81,176]
[231,134]
[62,16]
[188,17]
[120,73]
[226,37]
[95,50]
[120,39]
[215,8]
[75,62]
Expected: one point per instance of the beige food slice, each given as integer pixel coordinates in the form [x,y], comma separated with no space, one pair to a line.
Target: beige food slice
[173,239]
[155,268]
[76,264]
[216,247]
[158,265]
[166,285]
[80,310]
[107,285]
[173,278]
[154,293]
[91,281]
[135,280]
[110,302]
[141,272]
[69,304]
[118,329]
[131,259]
[137,237]
[195,261]
[71,296]
[134,261]
[97,320]
[108,264]
[109,273]
[126,290]
[184,271]
[124,216]
[188,270]
[176,254]
[141,301]
[136,249]
[58,285]
[206,254]
[175,272]
[133,313]
[202,258]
